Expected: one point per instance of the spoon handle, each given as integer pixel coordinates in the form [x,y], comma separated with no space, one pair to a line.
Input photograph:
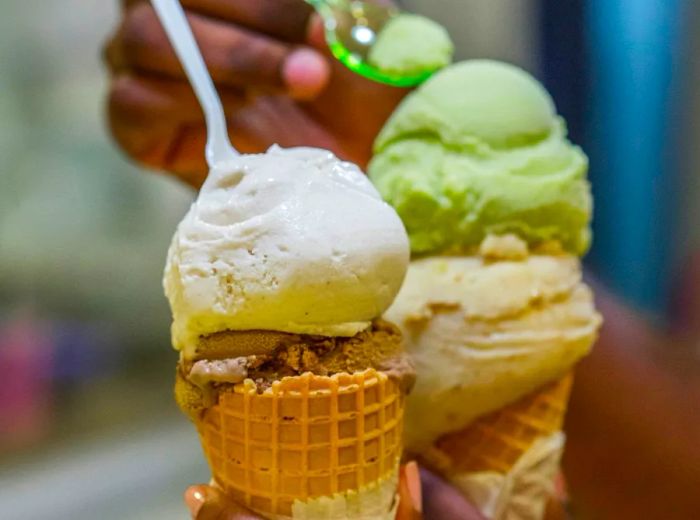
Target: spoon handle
[174,21]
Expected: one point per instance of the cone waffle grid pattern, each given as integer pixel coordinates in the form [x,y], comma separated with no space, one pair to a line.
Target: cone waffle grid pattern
[496,441]
[305,437]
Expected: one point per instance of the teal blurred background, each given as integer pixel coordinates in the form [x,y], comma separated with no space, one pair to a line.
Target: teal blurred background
[87,419]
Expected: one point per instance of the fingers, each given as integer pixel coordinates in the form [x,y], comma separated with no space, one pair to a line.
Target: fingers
[194,498]
[235,56]
[283,19]
[554,510]
[208,503]
[158,122]
[440,500]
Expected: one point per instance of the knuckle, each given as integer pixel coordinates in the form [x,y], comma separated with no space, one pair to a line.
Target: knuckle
[289,18]
[123,103]
[129,125]
[110,52]
[254,59]
[140,29]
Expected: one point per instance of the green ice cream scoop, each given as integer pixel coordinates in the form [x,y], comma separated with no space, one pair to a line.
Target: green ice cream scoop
[411,45]
[479,149]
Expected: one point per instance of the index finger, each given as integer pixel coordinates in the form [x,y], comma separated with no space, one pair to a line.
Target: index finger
[210,503]
[410,497]
[283,19]
[441,500]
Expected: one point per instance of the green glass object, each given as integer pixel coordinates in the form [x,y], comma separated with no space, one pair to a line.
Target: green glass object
[352,28]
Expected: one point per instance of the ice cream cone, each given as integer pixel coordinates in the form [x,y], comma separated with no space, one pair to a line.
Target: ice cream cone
[309,444]
[496,441]
[497,206]
[277,279]
[505,462]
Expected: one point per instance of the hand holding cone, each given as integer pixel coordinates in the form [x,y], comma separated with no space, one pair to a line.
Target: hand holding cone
[210,503]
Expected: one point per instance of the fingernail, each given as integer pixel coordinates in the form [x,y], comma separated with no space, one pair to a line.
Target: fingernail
[315,33]
[195,496]
[412,476]
[306,73]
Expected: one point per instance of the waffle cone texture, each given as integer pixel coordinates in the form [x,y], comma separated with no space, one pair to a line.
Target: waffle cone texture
[496,441]
[307,439]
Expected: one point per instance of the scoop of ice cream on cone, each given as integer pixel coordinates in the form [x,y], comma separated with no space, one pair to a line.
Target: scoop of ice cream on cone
[277,279]
[494,313]
[494,337]
[264,357]
[479,150]
[292,240]
[482,333]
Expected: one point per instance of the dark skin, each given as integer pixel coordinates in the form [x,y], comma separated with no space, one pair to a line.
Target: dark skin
[634,418]
[275,76]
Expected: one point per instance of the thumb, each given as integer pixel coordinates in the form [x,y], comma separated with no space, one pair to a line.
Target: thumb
[209,503]
[315,34]
[410,501]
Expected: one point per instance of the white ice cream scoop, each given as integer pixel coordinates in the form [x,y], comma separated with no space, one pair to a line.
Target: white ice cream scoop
[292,240]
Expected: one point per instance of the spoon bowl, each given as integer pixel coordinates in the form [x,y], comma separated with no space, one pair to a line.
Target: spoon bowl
[351,29]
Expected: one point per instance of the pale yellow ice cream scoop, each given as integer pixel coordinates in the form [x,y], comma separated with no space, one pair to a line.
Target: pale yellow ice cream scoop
[483,331]
[293,240]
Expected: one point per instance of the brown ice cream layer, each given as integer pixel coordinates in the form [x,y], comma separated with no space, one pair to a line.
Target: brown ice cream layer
[229,357]
[229,344]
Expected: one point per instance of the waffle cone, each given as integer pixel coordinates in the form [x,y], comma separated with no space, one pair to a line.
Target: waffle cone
[496,441]
[303,438]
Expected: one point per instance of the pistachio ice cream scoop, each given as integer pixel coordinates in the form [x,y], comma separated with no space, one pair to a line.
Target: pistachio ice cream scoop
[479,150]
[493,310]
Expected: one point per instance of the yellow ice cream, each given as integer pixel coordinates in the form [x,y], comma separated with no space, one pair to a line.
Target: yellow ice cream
[493,309]
[486,329]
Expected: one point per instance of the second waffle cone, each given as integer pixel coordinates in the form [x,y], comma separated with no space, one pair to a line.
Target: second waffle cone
[496,441]
[305,437]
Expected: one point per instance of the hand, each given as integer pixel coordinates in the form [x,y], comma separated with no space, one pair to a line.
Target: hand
[634,412]
[436,500]
[277,81]
[443,502]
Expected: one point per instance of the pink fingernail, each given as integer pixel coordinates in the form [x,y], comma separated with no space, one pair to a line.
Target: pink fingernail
[194,499]
[306,73]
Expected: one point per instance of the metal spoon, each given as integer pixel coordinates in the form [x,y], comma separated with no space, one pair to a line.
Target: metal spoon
[351,29]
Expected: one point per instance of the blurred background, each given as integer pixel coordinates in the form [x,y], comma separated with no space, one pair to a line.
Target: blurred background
[86,369]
